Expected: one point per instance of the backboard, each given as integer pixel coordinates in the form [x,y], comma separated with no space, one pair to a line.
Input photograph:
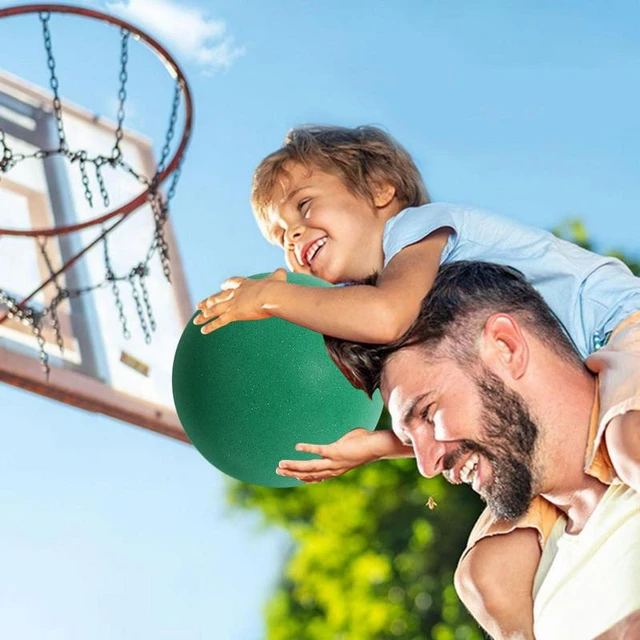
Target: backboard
[99,369]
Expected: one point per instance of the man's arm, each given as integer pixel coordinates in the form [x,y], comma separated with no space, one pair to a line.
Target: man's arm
[373,314]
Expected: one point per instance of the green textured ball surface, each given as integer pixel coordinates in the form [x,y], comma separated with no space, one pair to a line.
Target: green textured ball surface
[247,393]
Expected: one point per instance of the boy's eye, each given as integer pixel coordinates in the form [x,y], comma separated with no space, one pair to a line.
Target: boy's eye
[302,205]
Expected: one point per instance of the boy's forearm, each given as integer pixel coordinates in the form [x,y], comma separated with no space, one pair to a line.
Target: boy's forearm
[387,445]
[360,313]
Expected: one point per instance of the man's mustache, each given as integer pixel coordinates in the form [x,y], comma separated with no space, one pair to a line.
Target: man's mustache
[451,459]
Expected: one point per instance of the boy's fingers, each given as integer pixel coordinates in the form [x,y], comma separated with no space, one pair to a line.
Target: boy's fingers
[216,298]
[219,322]
[319,477]
[205,316]
[318,449]
[201,318]
[305,466]
[207,303]
[232,283]
[279,274]
[307,478]
[290,473]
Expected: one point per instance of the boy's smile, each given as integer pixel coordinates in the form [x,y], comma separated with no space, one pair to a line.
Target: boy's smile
[326,229]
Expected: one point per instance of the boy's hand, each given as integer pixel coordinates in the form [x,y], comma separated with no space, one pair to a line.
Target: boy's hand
[626,629]
[352,450]
[240,299]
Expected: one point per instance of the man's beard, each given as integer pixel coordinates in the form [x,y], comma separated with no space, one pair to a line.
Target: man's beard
[509,437]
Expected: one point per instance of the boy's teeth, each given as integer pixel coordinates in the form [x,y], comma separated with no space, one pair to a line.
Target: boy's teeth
[467,472]
[313,249]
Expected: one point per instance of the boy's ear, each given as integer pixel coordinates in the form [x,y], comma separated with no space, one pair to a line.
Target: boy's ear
[383,194]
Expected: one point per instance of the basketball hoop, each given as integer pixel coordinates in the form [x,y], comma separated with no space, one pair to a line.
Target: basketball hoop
[150,185]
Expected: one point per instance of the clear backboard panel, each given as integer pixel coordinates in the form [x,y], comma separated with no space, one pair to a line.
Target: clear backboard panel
[107,364]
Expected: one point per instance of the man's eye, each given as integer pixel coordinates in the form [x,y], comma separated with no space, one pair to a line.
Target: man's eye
[427,414]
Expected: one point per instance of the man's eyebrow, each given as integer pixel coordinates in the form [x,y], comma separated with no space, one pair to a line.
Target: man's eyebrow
[410,412]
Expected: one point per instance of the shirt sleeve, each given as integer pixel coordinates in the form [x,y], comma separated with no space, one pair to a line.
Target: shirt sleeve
[415,224]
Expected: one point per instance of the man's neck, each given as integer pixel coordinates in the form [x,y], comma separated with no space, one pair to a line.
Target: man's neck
[578,503]
[561,454]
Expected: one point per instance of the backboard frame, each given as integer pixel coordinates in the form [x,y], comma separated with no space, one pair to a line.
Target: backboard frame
[84,385]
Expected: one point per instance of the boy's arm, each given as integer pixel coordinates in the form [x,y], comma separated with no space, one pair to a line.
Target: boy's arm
[495,579]
[627,629]
[373,314]
[623,444]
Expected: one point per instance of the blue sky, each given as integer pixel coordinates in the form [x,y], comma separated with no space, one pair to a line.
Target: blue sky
[527,109]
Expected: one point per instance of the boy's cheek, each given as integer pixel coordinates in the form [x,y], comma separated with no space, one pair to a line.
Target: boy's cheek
[292,263]
[290,259]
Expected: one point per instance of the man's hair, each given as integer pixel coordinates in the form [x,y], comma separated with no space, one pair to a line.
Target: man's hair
[451,320]
[360,157]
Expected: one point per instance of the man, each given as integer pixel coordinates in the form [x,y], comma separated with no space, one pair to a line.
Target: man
[488,390]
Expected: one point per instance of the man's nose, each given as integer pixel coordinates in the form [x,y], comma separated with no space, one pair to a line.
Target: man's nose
[429,456]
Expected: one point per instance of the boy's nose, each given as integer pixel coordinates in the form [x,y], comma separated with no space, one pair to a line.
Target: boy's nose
[295,232]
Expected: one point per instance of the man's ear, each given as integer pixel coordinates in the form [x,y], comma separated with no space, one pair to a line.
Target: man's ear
[504,346]
[383,194]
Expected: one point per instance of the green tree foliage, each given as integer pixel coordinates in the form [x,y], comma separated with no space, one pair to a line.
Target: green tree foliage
[369,560]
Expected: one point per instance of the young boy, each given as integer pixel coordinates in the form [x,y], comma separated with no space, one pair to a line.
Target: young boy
[347,203]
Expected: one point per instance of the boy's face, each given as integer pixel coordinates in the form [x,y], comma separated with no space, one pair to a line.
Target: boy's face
[326,230]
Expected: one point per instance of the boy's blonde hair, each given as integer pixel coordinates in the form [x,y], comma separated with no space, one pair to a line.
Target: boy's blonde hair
[360,157]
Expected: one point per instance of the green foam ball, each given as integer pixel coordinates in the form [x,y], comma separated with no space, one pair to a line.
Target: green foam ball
[247,393]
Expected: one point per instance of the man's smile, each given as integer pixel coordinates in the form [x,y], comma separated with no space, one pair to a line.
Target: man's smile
[463,472]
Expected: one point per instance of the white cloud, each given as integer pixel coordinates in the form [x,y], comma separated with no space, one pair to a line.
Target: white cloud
[186,30]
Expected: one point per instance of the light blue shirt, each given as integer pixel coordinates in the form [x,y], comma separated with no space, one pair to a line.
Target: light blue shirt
[590,294]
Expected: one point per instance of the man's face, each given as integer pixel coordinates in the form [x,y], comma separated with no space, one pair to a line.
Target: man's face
[469,426]
[324,228]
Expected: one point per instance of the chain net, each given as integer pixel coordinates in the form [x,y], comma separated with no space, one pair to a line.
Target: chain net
[135,278]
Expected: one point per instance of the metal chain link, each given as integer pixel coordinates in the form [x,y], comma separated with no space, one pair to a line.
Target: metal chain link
[115,290]
[31,318]
[147,301]
[82,157]
[36,325]
[101,185]
[174,180]
[53,79]
[173,118]
[133,274]
[160,213]
[60,294]
[6,162]
[116,152]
